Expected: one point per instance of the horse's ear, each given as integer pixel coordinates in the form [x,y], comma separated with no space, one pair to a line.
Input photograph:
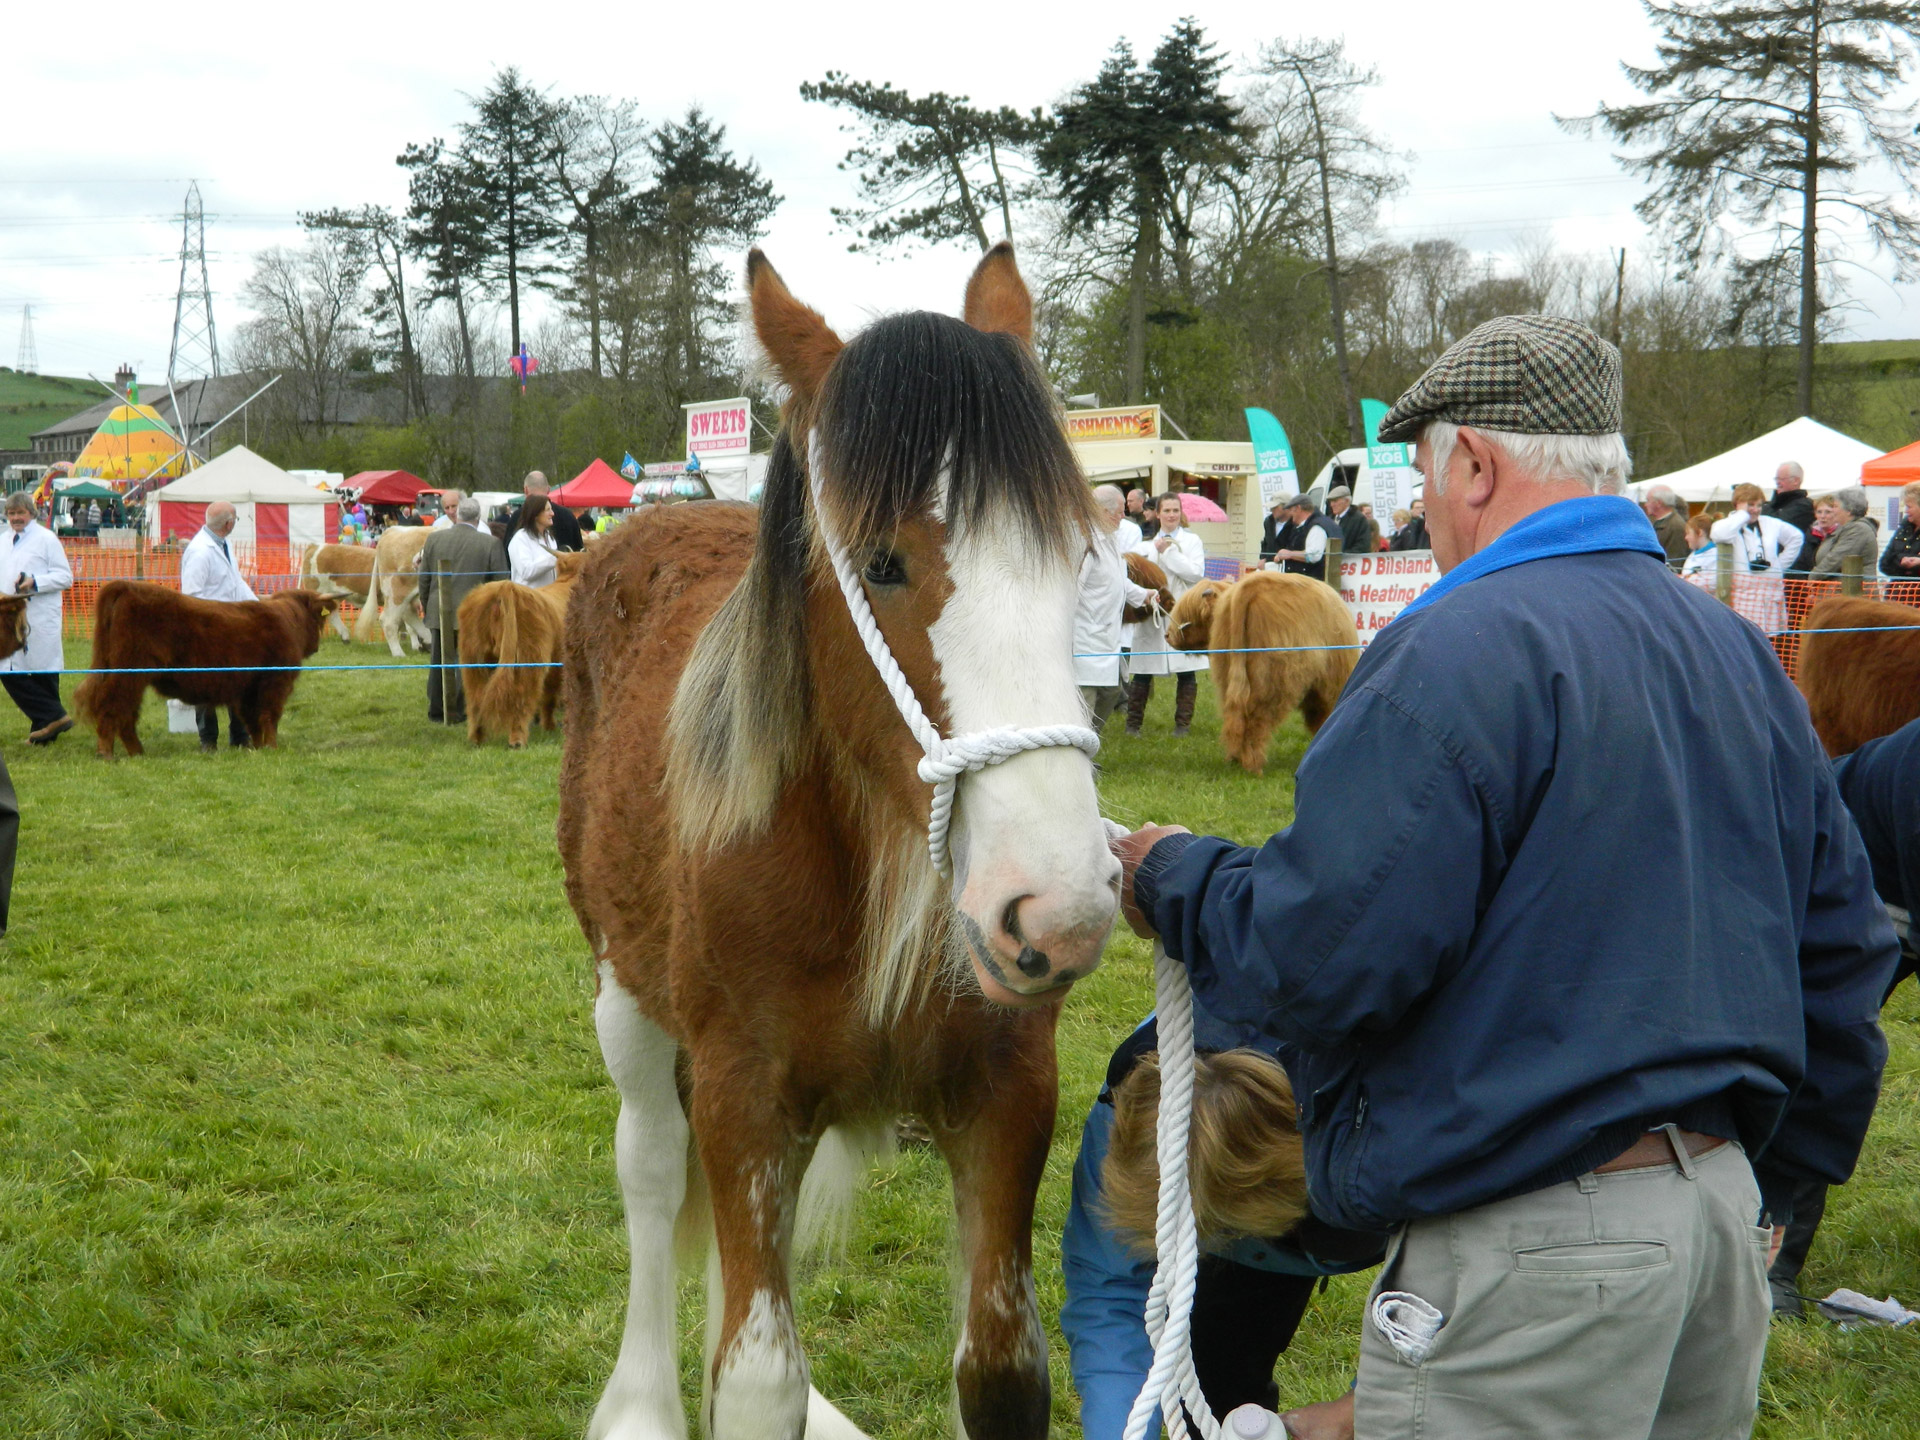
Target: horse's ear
[997,298]
[794,337]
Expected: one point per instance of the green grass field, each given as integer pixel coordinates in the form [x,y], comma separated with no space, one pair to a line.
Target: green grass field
[304,1131]
[33,402]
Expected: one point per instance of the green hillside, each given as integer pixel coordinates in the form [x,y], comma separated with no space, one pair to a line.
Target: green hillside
[1886,378]
[33,402]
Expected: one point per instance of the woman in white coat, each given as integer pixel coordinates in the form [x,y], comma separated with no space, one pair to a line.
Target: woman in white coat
[1762,545]
[530,552]
[1177,551]
[33,564]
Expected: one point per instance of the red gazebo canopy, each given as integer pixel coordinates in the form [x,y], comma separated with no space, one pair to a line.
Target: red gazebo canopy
[599,484]
[387,487]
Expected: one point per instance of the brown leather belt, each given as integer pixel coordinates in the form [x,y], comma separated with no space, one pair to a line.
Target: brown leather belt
[1654,1148]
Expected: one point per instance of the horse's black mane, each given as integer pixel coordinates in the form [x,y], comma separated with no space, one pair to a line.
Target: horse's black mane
[918,396]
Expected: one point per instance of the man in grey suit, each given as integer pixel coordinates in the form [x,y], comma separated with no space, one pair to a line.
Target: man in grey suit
[469,556]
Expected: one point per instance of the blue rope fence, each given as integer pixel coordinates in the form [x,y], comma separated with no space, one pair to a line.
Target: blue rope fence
[555,664]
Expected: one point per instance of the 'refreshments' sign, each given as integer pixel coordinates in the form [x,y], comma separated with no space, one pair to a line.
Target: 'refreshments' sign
[1378,587]
[1122,422]
[717,429]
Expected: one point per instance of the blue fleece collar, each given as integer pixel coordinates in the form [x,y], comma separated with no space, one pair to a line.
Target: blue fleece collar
[1582,526]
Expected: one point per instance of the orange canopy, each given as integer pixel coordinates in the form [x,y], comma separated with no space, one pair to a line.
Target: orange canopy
[1896,467]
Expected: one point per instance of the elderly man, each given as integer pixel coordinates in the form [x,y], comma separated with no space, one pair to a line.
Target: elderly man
[566,525]
[1791,505]
[470,556]
[1302,547]
[449,507]
[208,572]
[33,564]
[1669,525]
[1358,534]
[1105,591]
[1578,1110]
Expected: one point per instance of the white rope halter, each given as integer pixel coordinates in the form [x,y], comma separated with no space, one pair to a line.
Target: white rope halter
[946,759]
[1171,1384]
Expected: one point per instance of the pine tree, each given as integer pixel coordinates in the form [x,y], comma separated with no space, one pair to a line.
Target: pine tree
[700,196]
[1774,114]
[931,167]
[1125,145]
[507,149]
[446,228]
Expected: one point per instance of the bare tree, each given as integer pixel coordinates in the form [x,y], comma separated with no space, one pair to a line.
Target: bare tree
[1313,82]
[307,305]
[598,149]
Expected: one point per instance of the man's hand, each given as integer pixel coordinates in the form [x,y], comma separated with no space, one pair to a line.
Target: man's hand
[1325,1420]
[1910,562]
[1131,850]
[1773,1248]
[25,585]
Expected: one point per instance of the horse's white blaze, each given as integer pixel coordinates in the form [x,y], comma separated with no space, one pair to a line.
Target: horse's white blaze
[761,1390]
[642,1398]
[1030,826]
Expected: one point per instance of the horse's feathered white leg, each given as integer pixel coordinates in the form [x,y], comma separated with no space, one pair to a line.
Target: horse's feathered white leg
[642,1398]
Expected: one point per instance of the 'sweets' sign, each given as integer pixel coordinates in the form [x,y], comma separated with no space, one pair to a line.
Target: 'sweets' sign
[717,429]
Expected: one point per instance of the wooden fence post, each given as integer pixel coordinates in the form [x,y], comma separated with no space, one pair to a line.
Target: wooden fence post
[1334,548]
[1723,571]
[1850,575]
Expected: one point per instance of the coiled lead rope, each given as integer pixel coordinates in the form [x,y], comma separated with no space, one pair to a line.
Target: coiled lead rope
[946,760]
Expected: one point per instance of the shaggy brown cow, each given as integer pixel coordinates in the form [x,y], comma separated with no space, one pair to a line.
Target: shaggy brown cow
[1148,576]
[503,624]
[1859,687]
[345,571]
[13,624]
[1256,691]
[190,650]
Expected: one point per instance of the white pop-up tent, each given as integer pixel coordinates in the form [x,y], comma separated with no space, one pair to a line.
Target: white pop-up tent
[1830,459]
[272,508]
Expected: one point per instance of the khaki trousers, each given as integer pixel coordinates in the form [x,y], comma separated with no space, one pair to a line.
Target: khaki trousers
[1101,702]
[1628,1306]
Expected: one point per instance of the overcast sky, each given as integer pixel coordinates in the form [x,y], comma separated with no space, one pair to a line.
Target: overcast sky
[280,109]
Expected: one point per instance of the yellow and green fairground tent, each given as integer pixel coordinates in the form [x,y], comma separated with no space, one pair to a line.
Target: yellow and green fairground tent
[131,444]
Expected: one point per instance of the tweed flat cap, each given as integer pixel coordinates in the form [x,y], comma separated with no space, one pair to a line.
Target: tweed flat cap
[1535,374]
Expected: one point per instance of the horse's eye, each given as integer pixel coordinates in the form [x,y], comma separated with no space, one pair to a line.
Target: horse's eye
[885,569]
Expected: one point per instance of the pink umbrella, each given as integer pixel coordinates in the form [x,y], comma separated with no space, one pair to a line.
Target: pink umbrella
[1200,510]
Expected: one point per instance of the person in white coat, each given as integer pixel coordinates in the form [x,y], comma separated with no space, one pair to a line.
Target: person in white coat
[1177,551]
[1762,545]
[208,572]
[34,565]
[1105,592]
[530,551]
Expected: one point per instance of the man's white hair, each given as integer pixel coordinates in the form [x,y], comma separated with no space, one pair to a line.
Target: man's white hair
[467,511]
[1663,495]
[1111,498]
[1794,468]
[1600,462]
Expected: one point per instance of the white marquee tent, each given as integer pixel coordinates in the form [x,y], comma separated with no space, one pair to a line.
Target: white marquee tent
[1829,458]
[273,507]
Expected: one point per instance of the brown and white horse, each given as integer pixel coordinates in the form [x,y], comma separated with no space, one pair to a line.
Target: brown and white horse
[781,967]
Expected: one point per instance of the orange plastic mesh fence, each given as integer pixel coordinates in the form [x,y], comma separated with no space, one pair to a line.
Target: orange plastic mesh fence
[267,568]
[1779,606]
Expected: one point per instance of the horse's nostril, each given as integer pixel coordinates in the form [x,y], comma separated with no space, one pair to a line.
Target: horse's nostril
[1033,963]
[1010,918]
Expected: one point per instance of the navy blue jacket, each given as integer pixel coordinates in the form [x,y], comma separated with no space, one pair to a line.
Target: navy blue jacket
[1487,994]
[1881,784]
